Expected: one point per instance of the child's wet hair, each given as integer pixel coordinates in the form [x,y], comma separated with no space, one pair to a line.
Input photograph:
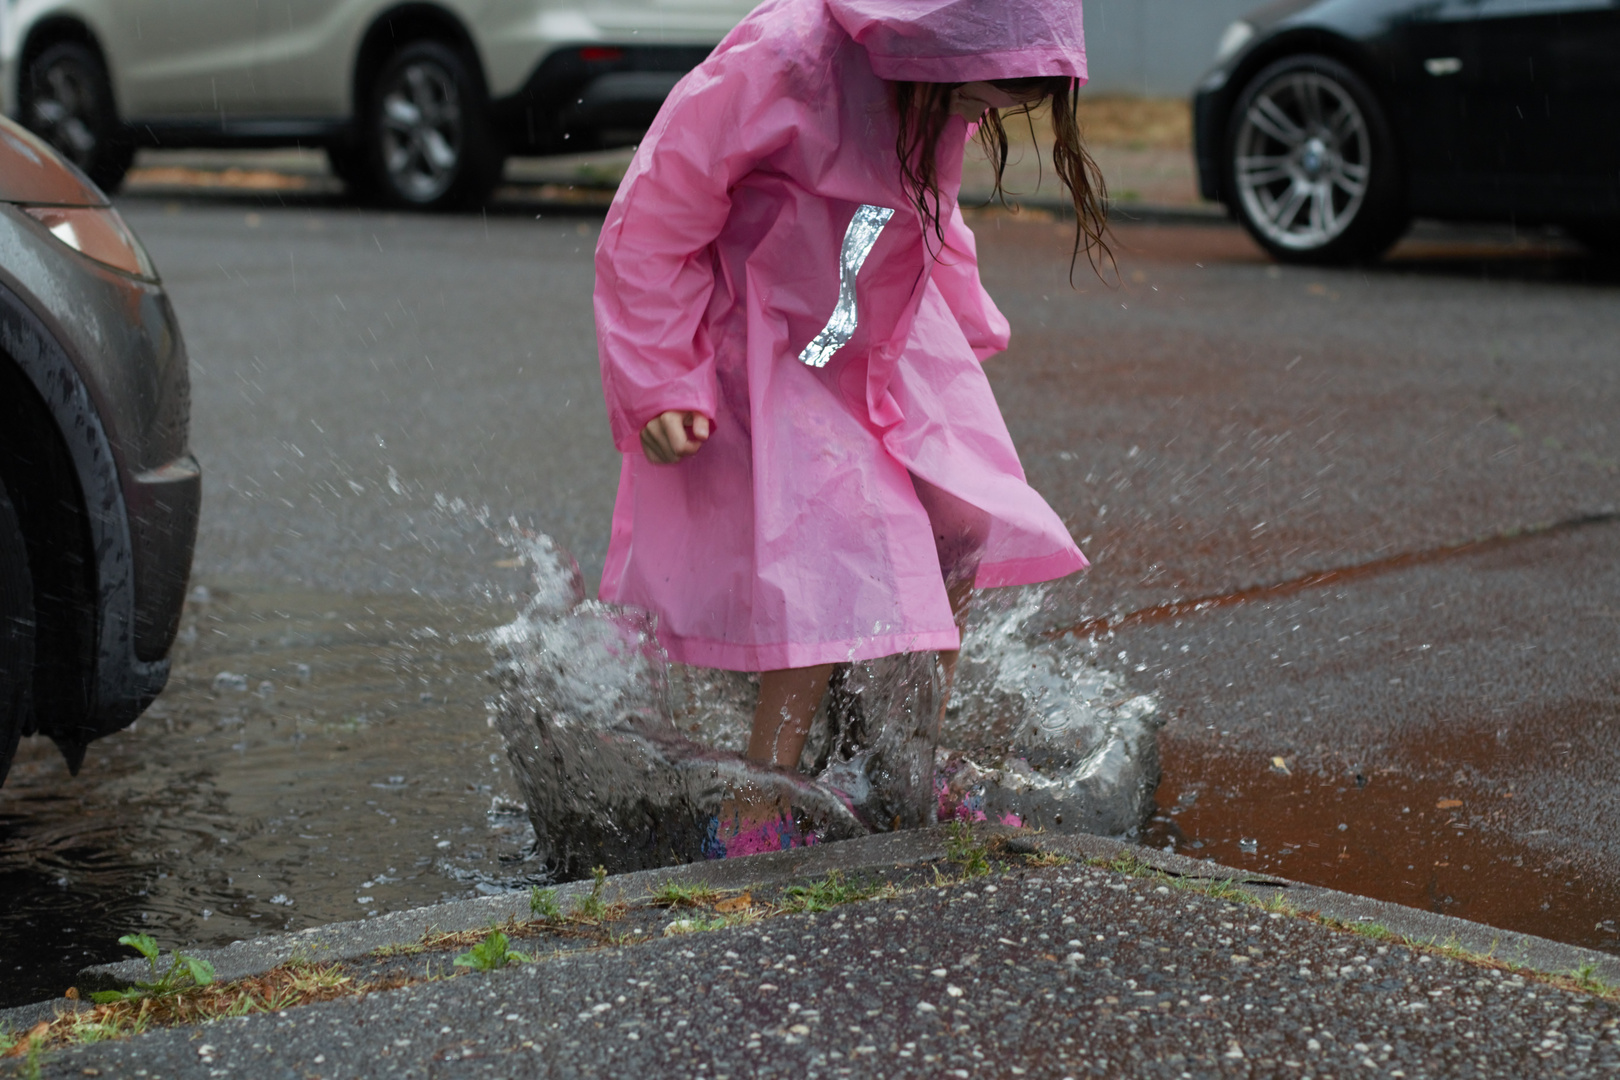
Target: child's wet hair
[926,107]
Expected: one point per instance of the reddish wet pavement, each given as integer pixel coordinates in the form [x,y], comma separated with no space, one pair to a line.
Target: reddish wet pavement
[1355,529]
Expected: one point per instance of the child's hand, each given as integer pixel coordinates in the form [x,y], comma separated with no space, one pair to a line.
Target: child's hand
[671,436]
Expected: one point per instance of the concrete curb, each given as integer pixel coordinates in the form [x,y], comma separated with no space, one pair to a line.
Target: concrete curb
[1533,953]
[351,940]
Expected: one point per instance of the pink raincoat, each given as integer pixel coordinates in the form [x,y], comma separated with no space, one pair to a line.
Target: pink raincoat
[795,535]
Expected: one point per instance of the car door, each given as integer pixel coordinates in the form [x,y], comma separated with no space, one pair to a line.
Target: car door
[674,21]
[1551,75]
[184,59]
[1433,64]
[306,54]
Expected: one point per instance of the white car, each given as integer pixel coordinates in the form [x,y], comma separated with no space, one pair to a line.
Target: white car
[417,104]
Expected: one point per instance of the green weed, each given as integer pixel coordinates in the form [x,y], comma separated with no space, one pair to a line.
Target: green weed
[543,904]
[32,1063]
[966,851]
[828,893]
[184,971]
[591,907]
[673,895]
[1587,978]
[491,954]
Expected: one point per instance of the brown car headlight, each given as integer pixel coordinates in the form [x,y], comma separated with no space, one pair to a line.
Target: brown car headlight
[98,233]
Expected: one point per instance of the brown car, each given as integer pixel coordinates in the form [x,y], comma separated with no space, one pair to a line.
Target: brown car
[98,489]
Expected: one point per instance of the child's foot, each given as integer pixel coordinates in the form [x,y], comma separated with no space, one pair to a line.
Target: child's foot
[732,835]
[960,796]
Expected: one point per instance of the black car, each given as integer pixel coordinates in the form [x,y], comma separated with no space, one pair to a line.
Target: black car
[98,489]
[1327,125]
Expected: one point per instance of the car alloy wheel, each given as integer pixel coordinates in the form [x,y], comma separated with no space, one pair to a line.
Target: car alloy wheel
[422,130]
[1304,157]
[1311,163]
[67,100]
[429,145]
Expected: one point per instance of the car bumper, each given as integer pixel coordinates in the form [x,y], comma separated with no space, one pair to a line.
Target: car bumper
[163,504]
[589,97]
[1208,110]
[104,354]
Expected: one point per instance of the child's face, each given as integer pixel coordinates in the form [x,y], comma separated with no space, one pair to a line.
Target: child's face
[972,100]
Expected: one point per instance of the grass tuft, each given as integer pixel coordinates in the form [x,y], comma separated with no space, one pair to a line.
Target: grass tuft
[673,895]
[828,893]
[591,908]
[965,850]
[1587,978]
[543,904]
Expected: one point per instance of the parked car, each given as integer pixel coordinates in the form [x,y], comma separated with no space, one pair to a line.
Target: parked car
[98,491]
[1326,125]
[417,104]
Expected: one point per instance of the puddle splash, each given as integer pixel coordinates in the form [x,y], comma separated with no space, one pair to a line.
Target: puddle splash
[626,760]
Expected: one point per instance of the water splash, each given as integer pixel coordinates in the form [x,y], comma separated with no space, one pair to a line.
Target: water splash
[584,705]
[1046,734]
[625,759]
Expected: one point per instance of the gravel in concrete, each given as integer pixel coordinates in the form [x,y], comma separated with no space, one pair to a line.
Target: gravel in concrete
[1063,971]
[1072,969]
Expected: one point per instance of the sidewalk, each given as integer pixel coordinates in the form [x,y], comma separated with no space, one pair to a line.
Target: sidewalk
[995,953]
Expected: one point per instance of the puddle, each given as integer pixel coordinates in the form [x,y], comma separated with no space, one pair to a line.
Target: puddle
[1448,815]
[315,758]
[1398,834]
[319,757]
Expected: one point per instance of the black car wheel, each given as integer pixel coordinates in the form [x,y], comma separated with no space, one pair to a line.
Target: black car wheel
[427,135]
[1599,236]
[1311,166]
[16,631]
[67,99]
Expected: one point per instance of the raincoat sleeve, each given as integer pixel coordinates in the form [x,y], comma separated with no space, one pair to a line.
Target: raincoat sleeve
[956,273]
[655,269]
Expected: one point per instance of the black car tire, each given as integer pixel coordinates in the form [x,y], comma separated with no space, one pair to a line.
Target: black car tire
[1310,164]
[425,132]
[67,99]
[1599,236]
[17,627]
[348,164]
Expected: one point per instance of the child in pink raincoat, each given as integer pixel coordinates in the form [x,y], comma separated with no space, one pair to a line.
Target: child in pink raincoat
[779,516]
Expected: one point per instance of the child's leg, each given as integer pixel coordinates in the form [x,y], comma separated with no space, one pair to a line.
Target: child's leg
[748,820]
[960,593]
[961,531]
[788,699]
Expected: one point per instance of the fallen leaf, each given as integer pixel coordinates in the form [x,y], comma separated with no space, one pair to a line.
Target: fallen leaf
[1448,804]
[735,903]
[1281,766]
[38,1031]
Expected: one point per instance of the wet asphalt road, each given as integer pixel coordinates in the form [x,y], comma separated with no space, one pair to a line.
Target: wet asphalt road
[1399,715]
[1067,971]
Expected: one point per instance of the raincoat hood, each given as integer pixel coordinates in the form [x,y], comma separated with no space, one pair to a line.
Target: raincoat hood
[966,40]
